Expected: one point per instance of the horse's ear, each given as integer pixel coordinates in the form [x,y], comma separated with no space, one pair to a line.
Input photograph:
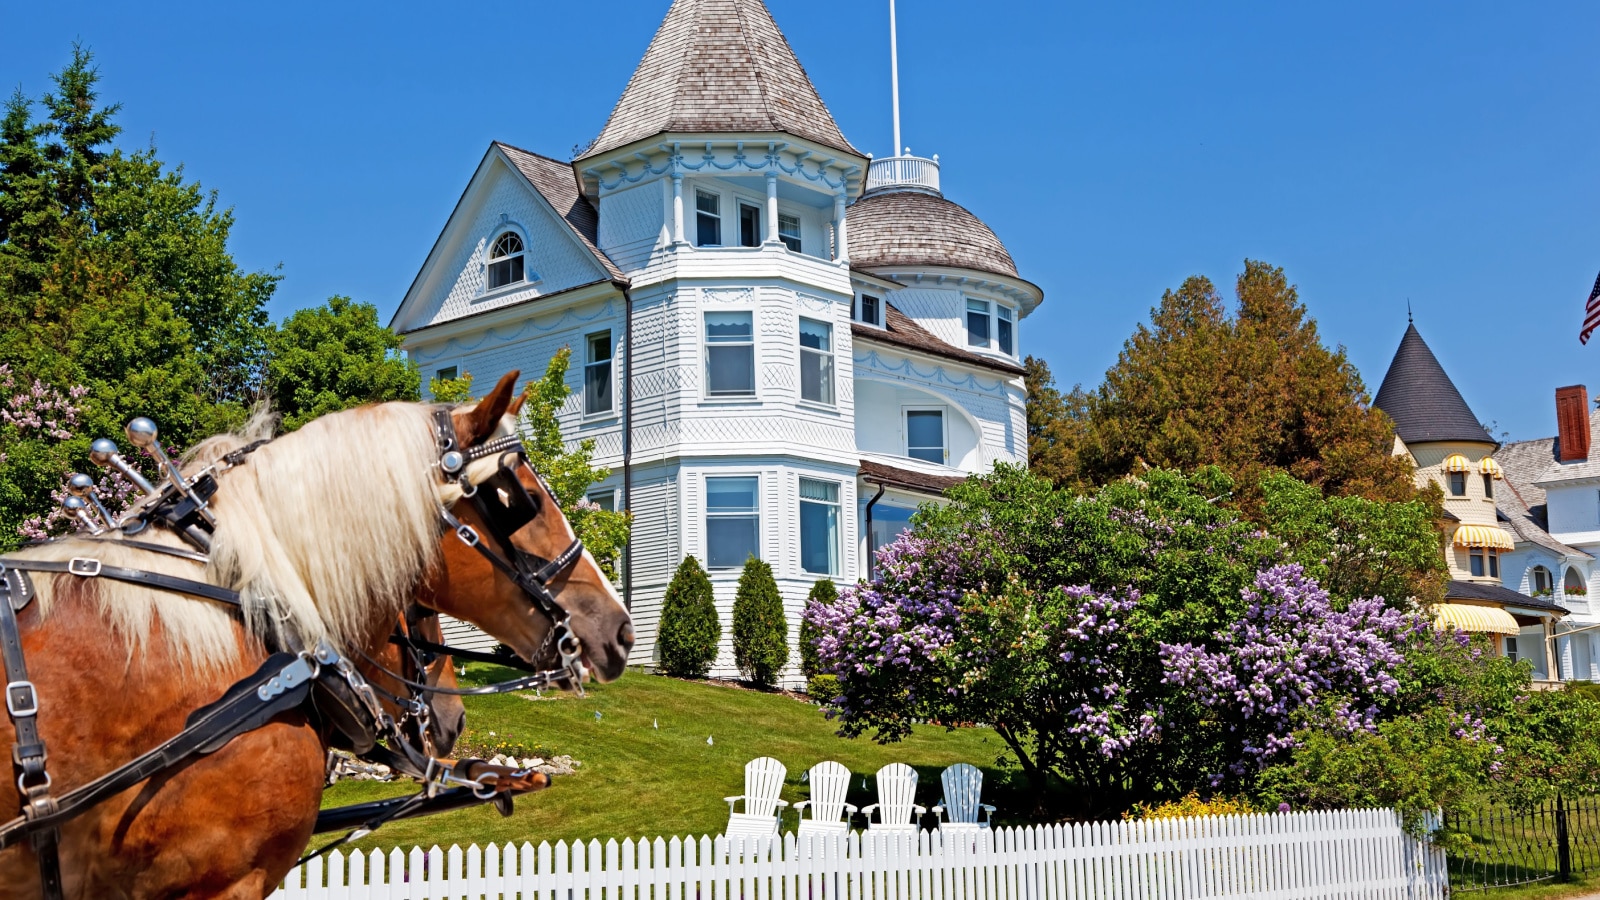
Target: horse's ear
[516,405]
[473,426]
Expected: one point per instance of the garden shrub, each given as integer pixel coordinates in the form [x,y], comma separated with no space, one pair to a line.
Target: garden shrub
[760,632]
[1191,805]
[823,593]
[690,629]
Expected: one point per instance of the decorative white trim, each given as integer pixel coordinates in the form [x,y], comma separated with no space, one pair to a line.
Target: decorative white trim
[906,368]
[526,328]
[773,159]
[727,295]
[813,302]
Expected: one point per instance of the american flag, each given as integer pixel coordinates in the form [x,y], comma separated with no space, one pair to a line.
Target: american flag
[1591,314]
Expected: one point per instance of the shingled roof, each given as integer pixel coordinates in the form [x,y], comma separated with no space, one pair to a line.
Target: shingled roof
[912,228]
[719,66]
[906,479]
[1421,398]
[553,179]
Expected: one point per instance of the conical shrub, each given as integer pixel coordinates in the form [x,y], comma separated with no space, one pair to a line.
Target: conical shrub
[689,631]
[823,592]
[760,632]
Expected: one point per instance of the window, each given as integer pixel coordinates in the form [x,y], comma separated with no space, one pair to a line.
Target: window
[1458,484]
[1572,584]
[1488,486]
[749,225]
[448,373]
[505,260]
[1476,556]
[1494,562]
[789,231]
[819,526]
[816,361]
[925,435]
[1481,555]
[870,310]
[1511,649]
[1543,583]
[730,355]
[707,219]
[597,374]
[733,521]
[888,521]
[606,499]
[977,323]
[1003,330]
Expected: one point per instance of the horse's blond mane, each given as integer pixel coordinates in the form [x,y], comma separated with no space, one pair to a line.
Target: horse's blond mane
[322,531]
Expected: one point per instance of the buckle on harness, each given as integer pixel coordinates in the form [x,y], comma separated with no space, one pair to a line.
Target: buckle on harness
[21,700]
[468,535]
[83,566]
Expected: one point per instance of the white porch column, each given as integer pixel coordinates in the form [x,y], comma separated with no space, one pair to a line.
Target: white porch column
[772,207]
[677,208]
[841,238]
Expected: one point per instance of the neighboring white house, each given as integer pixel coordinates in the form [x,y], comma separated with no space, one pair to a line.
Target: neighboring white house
[780,346]
[1553,507]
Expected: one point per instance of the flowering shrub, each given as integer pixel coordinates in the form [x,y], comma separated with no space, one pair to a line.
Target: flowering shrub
[1293,654]
[1191,804]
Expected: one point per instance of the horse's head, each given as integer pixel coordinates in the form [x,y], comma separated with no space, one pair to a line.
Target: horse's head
[393,654]
[531,533]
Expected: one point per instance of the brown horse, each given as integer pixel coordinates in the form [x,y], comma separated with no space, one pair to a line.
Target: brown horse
[446,713]
[327,533]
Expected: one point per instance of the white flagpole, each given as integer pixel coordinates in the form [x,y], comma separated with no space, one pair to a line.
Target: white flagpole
[894,79]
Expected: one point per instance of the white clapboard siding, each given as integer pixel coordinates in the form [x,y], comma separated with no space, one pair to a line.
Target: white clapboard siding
[1353,853]
[465,635]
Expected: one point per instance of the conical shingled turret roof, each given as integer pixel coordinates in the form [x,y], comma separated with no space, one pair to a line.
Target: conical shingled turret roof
[1422,400]
[719,66]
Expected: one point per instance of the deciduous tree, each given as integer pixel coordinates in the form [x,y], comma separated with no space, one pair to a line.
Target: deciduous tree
[334,357]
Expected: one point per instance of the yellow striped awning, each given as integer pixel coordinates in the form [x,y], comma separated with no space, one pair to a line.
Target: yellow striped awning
[1483,536]
[1488,466]
[1476,619]
[1455,462]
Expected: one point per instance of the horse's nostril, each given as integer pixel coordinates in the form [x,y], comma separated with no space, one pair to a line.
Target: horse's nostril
[625,634]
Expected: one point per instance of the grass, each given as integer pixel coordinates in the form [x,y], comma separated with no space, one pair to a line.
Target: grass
[647,769]
[1579,886]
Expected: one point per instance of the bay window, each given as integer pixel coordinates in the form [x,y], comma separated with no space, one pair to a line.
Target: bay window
[730,355]
[789,231]
[816,361]
[707,219]
[749,225]
[977,323]
[733,521]
[1003,331]
[819,526]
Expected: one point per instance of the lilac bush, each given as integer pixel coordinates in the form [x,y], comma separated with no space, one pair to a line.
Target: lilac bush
[1291,658]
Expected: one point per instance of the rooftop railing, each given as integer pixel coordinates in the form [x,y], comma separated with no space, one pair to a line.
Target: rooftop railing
[905,172]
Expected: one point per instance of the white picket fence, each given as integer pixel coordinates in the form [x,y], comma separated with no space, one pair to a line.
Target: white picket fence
[1356,853]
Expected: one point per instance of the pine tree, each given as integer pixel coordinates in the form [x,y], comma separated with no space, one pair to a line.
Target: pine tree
[760,631]
[690,630]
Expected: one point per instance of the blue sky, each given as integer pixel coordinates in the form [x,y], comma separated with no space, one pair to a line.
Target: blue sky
[1448,153]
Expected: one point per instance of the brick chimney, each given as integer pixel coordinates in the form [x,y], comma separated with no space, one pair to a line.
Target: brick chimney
[1572,423]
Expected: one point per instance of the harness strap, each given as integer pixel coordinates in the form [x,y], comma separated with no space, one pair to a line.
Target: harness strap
[281,684]
[28,755]
[509,660]
[87,567]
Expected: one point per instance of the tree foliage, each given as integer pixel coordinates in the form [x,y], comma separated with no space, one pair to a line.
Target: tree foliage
[1252,392]
[334,357]
[760,631]
[690,629]
[824,592]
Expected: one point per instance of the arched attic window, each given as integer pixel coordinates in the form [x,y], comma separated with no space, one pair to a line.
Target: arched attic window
[505,260]
[1573,584]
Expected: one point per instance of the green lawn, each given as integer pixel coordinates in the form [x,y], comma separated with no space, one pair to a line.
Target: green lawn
[640,779]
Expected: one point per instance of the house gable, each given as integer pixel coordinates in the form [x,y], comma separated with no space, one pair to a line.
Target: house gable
[502,196]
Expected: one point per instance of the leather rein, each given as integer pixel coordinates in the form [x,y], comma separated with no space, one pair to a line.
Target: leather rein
[287,679]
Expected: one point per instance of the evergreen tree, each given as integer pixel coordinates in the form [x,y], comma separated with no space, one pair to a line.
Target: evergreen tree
[334,357]
[760,631]
[824,592]
[690,629]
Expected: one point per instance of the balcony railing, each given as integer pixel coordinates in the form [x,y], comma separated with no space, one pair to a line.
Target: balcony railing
[913,172]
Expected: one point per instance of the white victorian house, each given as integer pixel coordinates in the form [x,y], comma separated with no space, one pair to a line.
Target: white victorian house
[780,345]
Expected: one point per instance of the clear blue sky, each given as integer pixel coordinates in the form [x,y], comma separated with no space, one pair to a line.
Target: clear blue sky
[1448,153]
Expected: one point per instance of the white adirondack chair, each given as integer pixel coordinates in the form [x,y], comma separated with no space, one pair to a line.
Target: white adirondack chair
[763,811]
[897,789]
[963,789]
[830,782]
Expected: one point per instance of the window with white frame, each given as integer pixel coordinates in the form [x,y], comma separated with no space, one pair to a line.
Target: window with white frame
[819,526]
[1485,559]
[733,521]
[816,361]
[1511,649]
[1458,484]
[1544,583]
[749,225]
[1006,338]
[707,219]
[605,499]
[869,309]
[448,373]
[506,260]
[789,231]
[597,373]
[1488,486]
[730,355]
[925,435]
[977,323]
